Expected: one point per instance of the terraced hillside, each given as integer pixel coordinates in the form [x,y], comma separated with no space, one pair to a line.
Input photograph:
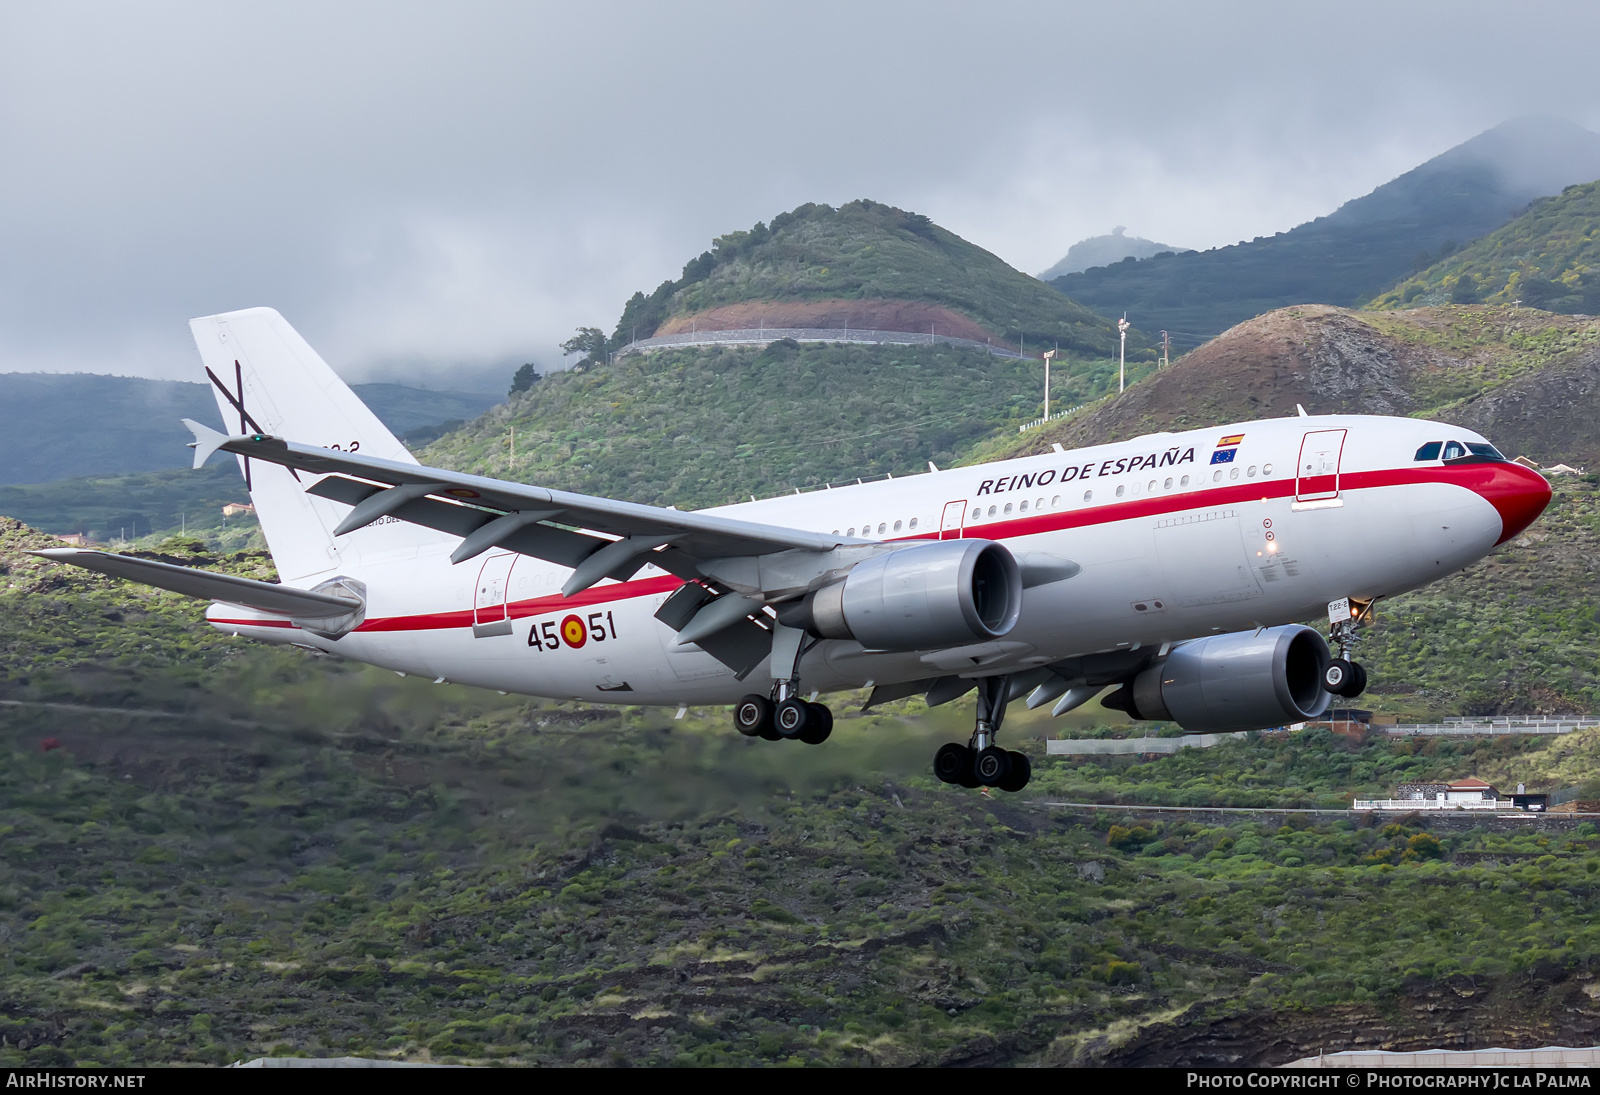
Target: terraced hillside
[865,265]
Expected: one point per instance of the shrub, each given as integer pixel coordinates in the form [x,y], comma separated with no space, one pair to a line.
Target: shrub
[1124,839]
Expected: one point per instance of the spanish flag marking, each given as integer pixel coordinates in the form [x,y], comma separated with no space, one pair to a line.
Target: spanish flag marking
[1233,439]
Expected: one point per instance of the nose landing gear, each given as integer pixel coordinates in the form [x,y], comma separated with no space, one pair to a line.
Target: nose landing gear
[981,762]
[1345,676]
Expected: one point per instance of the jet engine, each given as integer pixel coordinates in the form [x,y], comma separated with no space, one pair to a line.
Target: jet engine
[949,593]
[1248,680]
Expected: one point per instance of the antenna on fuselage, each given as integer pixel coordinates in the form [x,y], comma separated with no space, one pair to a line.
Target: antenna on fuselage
[1302,411]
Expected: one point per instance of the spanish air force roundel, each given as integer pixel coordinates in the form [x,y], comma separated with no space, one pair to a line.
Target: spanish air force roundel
[573,632]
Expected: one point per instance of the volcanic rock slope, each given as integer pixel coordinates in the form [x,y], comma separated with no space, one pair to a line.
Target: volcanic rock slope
[1525,379]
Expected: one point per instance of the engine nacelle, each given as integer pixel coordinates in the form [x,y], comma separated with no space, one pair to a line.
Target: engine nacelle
[1248,680]
[948,593]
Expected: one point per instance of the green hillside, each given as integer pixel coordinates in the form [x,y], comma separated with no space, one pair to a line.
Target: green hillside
[1548,258]
[113,508]
[1359,250]
[708,426]
[239,850]
[868,251]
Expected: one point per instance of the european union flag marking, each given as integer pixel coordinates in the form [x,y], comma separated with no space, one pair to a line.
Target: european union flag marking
[1223,456]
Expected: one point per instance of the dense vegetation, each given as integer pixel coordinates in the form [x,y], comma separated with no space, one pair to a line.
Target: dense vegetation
[1548,258]
[868,250]
[62,426]
[1356,252]
[708,426]
[303,856]
[135,508]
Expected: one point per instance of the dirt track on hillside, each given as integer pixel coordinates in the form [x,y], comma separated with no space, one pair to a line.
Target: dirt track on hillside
[876,315]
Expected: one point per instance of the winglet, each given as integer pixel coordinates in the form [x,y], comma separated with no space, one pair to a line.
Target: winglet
[206,441]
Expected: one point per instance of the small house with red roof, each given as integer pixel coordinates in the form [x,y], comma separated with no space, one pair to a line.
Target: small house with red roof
[1471,793]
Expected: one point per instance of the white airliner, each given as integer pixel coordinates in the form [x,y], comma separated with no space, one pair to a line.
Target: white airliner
[1171,566]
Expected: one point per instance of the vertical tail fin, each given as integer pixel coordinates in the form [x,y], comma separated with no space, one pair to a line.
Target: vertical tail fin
[268,379]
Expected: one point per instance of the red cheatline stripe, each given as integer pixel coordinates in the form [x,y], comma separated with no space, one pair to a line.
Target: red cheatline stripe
[249,623]
[1473,477]
[594,595]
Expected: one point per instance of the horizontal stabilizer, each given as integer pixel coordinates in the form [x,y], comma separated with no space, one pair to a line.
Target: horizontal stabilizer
[207,440]
[263,596]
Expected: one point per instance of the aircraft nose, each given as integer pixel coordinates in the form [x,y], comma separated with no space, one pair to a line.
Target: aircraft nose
[1519,494]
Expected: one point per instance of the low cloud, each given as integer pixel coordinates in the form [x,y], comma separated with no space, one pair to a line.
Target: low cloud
[449,188]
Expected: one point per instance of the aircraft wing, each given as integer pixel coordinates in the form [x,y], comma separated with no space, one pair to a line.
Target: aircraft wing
[265,596]
[531,520]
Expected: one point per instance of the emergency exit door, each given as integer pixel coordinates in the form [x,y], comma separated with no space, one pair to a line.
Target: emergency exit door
[1317,476]
[953,521]
[489,616]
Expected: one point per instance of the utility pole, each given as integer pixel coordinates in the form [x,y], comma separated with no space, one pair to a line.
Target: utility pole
[1122,354]
[1166,343]
[1048,355]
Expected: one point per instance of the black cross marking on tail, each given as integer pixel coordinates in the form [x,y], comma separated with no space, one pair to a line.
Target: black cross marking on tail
[245,418]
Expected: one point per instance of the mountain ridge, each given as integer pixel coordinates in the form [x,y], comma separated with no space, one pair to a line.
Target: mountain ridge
[1361,248]
[1104,250]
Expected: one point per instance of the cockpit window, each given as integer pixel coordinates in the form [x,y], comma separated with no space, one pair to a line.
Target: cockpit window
[1457,452]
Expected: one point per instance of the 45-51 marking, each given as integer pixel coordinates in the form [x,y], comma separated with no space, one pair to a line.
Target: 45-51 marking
[573,630]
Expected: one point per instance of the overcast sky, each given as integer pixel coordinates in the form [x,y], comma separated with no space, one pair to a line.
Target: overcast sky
[420,187]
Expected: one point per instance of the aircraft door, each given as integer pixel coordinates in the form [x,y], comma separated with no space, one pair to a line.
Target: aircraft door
[1317,475]
[489,616]
[953,521]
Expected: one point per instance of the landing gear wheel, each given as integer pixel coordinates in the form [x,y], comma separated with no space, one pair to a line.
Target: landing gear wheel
[819,726]
[1337,677]
[952,762]
[1021,772]
[991,766]
[1359,684]
[792,717]
[752,716]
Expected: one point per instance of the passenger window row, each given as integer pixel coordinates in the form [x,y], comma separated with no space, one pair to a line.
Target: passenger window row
[1038,505]
[883,528]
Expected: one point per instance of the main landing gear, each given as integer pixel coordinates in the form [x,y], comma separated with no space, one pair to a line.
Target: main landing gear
[782,713]
[1344,676]
[981,762]
[790,718]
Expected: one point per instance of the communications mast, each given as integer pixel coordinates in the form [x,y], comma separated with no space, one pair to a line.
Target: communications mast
[1122,354]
